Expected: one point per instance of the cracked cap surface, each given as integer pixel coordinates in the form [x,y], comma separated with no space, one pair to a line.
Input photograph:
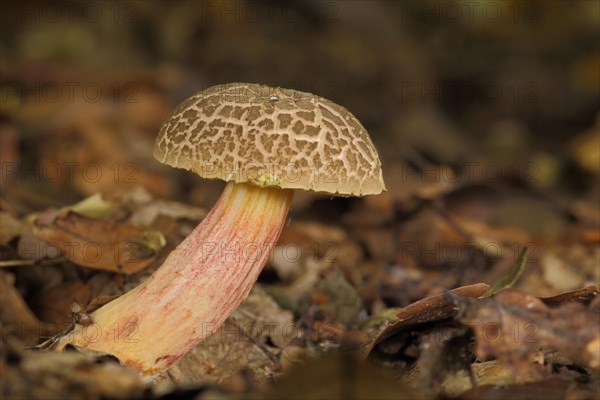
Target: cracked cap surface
[267,136]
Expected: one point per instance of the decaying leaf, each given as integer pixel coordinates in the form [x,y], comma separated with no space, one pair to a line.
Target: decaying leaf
[263,320]
[306,249]
[101,244]
[431,309]
[443,351]
[16,318]
[336,299]
[492,376]
[45,375]
[96,303]
[146,214]
[250,341]
[54,305]
[584,296]
[512,324]
[223,356]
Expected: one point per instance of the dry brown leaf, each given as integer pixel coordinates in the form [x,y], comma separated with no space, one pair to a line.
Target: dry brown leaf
[304,252]
[250,340]
[54,304]
[512,324]
[147,213]
[45,375]
[584,296]
[262,318]
[487,373]
[430,309]
[100,244]
[222,356]
[15,316]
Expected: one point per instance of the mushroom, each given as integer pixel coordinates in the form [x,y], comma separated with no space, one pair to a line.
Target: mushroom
[265,142]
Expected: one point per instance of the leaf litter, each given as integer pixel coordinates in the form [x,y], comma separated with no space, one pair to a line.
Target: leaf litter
[380,297]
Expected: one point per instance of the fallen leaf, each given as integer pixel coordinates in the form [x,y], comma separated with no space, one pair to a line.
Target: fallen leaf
[430,309]
[46,375]
[15,316]
[146,214]
[584,296]
[512,324]
[487,373]
[101,244]
[335,299]
[444,351]
[250,340]
[221,356]
[54,305]
[263,320]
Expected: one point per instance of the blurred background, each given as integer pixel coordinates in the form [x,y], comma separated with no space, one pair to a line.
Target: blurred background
[513,84]
[485,114]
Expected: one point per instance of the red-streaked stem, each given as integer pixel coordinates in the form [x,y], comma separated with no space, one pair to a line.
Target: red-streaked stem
[200,284]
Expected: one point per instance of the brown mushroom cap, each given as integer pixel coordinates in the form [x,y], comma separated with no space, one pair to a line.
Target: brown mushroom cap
[267,136]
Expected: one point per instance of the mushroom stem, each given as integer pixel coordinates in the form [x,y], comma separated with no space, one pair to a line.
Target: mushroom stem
[199,285]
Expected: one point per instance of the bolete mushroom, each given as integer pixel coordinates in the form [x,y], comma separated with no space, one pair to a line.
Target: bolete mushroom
[265,142]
